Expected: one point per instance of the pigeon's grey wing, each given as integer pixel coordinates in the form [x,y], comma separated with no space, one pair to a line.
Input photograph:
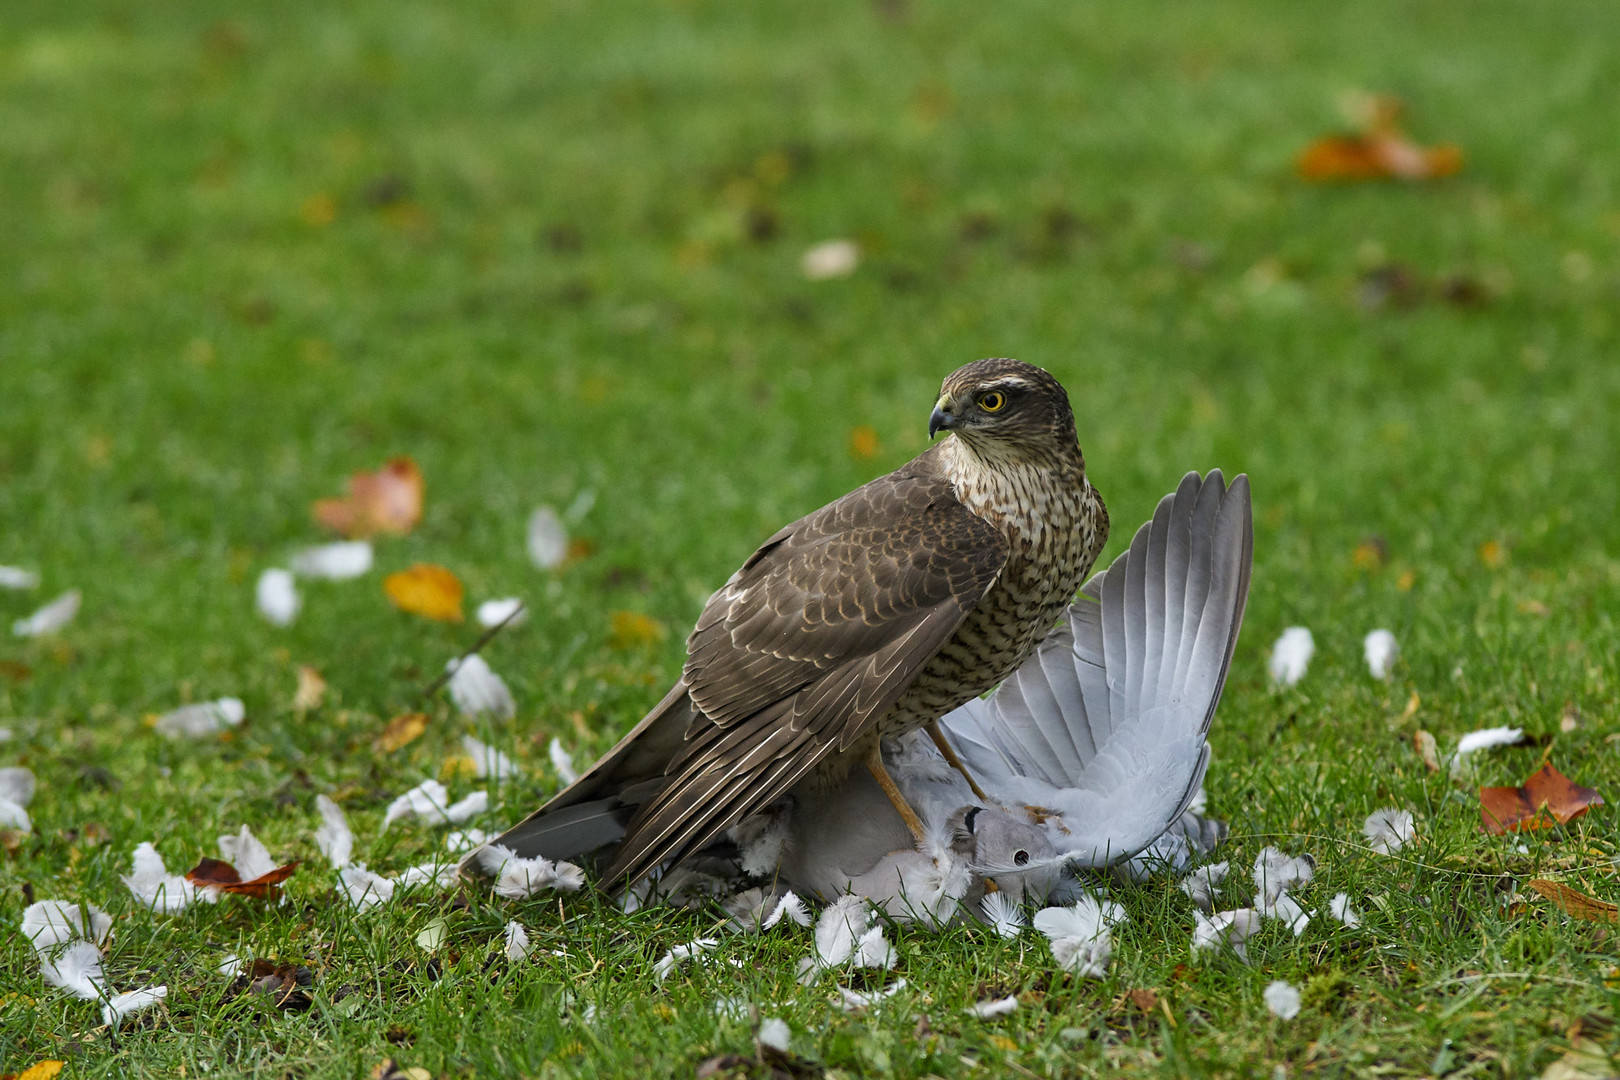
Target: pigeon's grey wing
[1129,687]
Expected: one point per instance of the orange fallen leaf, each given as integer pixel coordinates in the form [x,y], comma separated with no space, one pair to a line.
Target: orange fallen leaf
[401,731]
[1492,553]
[386,501]
[1377,155]
[427,590]
[40,1070]
[1548,798]
[221,875]
[631,628]
[1577,905]
[863,442]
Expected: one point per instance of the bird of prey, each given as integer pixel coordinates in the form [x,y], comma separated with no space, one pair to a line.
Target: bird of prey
[1091,752]
[867,619]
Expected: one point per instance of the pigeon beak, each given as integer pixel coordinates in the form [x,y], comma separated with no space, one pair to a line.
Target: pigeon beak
[941,418]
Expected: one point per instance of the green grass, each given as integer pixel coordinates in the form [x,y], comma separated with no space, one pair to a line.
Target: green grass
[544,274]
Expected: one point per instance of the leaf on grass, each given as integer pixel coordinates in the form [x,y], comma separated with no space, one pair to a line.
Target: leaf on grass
[1377,155]
[631,628]
[311,689]
[1577,905]
[222,876]
[386,501]
[401,732]
[427,590]
[286,985]
[863,442]
[1423,742]
[1548,798]
[40,1070]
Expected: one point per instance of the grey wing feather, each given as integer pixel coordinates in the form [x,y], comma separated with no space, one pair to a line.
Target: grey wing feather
[1107,722]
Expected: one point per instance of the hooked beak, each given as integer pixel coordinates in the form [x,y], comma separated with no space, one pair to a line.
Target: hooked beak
[941,417]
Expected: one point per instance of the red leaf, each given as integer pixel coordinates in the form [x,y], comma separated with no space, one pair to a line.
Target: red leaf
[1548,798]
[217,874]
[386,501]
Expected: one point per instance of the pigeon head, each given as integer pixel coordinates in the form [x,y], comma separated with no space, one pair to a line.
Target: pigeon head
[1016,855]
[1003,407]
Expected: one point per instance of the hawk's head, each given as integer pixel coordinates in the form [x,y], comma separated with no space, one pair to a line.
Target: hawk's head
[1007,406]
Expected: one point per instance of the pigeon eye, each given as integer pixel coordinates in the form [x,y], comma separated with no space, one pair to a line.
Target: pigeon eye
[993,401]
[1020,858]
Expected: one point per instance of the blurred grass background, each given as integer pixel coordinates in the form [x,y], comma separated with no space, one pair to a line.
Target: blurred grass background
[554,249]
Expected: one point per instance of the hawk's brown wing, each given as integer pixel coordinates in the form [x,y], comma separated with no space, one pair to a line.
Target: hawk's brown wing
[808,645]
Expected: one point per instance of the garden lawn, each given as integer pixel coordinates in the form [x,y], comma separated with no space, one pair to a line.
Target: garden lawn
[551,252]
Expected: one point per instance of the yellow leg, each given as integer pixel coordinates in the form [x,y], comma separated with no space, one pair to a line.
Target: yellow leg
[874,764]
[955,762]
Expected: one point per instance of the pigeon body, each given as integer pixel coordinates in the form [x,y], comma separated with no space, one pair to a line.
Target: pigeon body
[1092,752]
[865,620]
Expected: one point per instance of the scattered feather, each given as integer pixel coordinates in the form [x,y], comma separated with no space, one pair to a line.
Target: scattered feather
[1284,908]
[830,259]
[1231,929]
[1086,918]
[517,878]
[856,1000]
[489,762]
[155,887]
[475,689]
[1203,883]
[365,889]
[50,618]
[758,909]
[16,792]
[1341,910]
[993,1007]
[202,719]
[1003,914]
[562,761]
[1086,958]
[334,562]
[333,837]
[432,935]
[466,839]
[681,955]
[469,807]
[1486,738]
[736,1009]
[1291,655]
[248,854]
[230,966]
[134,1001]
[1387,831]
[509,610]
[791,908]
[15,577]
[759,839]
[548,539]
[1381,650]
[1283,1000]
[427,800]
[75,968]
[1275,872]
[775,1033]
[53,922]
[517,942]
[277,597]
[437,874]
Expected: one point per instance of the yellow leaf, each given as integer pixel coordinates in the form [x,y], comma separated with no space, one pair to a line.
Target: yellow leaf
[459,767]
[1492,554]
[1577,905]
[1405,582]
[631,628]
[1370,554]
[863,442]
[42,1070]
[1001,1042]
[318,210]
[311,689]
[427,590]
[401,731]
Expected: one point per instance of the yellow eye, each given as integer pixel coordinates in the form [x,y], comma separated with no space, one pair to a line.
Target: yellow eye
[993,401]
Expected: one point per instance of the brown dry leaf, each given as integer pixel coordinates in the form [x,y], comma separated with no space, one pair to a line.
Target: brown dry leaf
[1423,742]
[1548,798]
[1383,154]
[311,689]
[400,732]
[1145,1000]
[221,875]
[40,1070]
[1577,905]
[1370,554]
[427,590]
[863,442]
[1585,1060]
[386,501]
[631,628]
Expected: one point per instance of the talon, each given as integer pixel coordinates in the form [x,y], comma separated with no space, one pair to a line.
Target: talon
[874,764]
[955,762]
